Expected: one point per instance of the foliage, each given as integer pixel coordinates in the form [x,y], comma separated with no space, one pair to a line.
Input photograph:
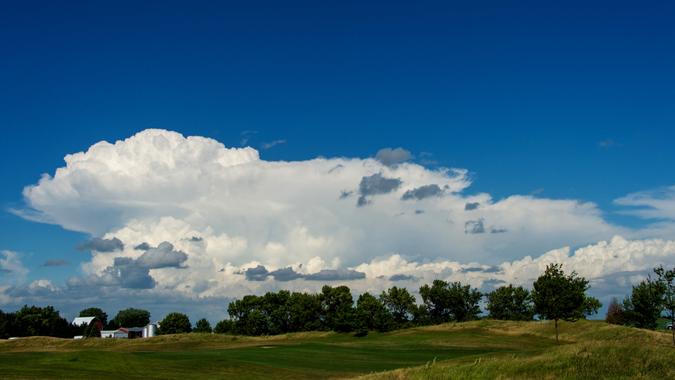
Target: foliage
[95,312]
[590,306]
[131,318]
[510,303]
[175,323]
[34,320]
[225,326]
[446,302]
[558,296]
[643,307]
[371,314]
[202,326]
[337,306]
[400,304]
[615,314]
[305,312]
[7,325]
[667,280]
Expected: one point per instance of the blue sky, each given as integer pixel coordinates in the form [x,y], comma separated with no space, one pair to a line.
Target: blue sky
[567,101]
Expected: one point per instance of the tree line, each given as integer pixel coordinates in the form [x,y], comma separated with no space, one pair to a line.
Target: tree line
[648,301]
[555,296]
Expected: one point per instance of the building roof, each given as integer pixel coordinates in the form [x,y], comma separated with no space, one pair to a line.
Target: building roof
[79,321]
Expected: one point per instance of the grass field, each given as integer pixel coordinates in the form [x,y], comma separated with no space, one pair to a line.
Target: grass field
[481,349]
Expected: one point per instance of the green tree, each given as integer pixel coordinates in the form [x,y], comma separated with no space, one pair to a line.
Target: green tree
[249,316]
[446,302]
[371,314]
[510,303]
[131,318]
[338,308]
[306,312]
[40,321]
[275,306]
[667,280]
[400,304]
[643,307]
[95,312]
[202,326]
[225,326]
[7,325]
[591,306]
[615,313]
[558,296]
[175,323]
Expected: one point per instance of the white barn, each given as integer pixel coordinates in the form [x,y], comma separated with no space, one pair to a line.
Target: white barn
[83,321]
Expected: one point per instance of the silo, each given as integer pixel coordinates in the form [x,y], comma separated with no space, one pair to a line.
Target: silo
[152,330]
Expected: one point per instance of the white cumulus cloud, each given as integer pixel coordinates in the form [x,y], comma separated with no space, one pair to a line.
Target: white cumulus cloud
[225,211]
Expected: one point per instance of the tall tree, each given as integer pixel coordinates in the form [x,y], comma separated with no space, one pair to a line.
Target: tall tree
[248,316]
[510,303]
[371,314]
[275,306]
[644,305]
[305,312]
[667,280]
[131,318]
[400,304]
[175,323]
[338,308]
[95,312]
[558,296]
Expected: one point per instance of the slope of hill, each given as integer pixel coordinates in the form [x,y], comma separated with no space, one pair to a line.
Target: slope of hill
[481,349]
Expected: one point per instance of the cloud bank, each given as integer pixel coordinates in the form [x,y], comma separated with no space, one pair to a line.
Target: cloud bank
[190,216]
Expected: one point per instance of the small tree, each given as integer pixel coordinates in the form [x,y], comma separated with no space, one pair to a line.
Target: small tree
[615,314]
[202,326]
[175,323]
[557,296]
[510,303]
[667,280]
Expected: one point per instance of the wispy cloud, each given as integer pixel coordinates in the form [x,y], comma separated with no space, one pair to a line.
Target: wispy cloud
[609,144]
[271,144]
[55,263]
[245,136]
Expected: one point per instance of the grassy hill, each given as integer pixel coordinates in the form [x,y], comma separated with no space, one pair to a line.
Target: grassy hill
[481,349]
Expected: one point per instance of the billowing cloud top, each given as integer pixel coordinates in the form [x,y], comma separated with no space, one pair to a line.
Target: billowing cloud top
[226,221]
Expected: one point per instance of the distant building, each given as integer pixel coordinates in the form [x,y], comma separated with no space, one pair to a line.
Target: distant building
[83,321]
[88,326]
[131,332]
[120,333]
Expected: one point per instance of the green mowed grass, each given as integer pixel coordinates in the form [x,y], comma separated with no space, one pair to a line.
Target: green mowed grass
[481,349]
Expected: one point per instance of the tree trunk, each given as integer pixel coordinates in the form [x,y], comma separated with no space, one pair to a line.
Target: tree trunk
[556,331]
[672,325]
